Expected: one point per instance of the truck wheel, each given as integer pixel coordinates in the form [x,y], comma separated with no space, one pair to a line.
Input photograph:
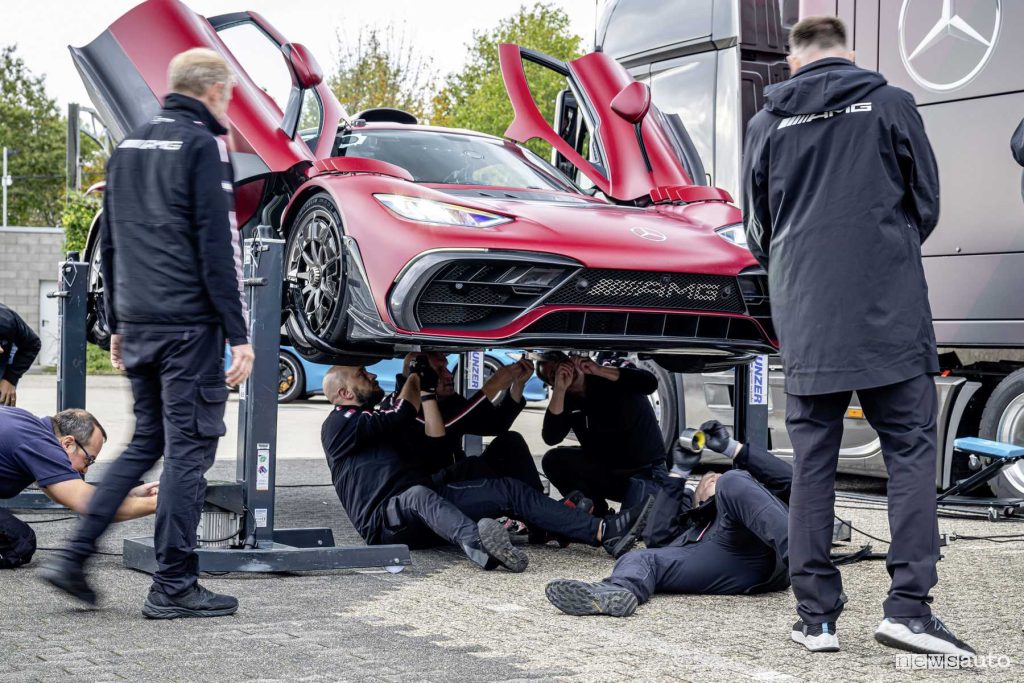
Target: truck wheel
[1003,420]
[665,402]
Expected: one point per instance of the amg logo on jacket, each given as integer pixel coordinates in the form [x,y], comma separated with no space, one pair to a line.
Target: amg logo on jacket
[807,118]
[166,145]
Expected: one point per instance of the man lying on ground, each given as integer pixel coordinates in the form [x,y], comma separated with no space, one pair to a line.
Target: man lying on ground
[727,537]
[392,498]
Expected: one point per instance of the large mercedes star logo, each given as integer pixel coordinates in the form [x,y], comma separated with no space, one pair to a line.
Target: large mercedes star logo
[957,45]
[648,234]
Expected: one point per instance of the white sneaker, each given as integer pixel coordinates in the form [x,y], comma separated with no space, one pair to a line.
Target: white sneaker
[816,637]
[925,635]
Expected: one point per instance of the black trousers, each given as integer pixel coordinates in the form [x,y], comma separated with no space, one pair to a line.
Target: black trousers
[571,468]
[422,517]
[177,377]
[904,416]
[17,541]
[508,455]
[735,555]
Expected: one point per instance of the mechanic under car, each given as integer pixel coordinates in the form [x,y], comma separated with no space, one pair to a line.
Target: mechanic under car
[391,497]
[729,536]
[489,412]
[621,455]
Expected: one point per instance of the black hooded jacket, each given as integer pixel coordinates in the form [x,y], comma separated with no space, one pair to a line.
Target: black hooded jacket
[840,190]
[169,246]
[19,345]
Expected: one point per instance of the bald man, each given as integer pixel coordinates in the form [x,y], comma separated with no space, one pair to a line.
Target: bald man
[392,498]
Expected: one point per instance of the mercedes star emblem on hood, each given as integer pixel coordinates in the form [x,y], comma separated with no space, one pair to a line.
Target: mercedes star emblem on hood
[648,234]
[944,43]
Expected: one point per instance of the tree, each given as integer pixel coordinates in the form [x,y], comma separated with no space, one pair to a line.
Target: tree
[382,69]
[30,124]
[475,98]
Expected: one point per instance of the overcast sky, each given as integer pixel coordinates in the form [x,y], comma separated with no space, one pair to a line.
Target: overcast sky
[441,28]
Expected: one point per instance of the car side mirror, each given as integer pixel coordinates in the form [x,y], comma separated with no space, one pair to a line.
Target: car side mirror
[308,73]
[633,102]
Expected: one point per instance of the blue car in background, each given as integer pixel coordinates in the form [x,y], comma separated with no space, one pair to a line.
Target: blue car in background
[300,379]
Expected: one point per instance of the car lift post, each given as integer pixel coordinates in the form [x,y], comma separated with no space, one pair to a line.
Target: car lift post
[266,548]
[750,402]
[470,379]
[72,296]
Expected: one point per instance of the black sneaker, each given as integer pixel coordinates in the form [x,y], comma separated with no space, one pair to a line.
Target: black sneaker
[816,637]
[621,531]
[195,602]
[496,543]
[580,598]
[69,576]
[925,635]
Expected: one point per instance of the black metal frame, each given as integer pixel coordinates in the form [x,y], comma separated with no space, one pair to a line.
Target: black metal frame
[266,549]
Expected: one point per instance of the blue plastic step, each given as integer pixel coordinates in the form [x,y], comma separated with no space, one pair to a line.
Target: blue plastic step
[990,449]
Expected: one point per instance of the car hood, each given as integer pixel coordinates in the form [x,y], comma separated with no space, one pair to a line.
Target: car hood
[662,238]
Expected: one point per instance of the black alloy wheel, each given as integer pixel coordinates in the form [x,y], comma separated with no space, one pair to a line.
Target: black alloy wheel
[291,382]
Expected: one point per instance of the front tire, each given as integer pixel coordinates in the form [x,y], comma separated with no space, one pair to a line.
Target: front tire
[1003,420]
[665,402]
[315,262]
[96,330]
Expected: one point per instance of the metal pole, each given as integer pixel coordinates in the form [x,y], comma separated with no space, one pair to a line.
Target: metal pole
[5,181]
[750,402]
[257,409]
[471,379]
[73,300]
[73,149]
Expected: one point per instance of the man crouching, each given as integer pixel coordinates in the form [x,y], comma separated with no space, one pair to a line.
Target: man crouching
[390,495]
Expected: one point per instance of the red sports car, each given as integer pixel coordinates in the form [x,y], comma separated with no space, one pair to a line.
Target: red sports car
[402,235]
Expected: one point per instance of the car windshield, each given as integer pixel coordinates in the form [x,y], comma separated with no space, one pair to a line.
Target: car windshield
[454,159]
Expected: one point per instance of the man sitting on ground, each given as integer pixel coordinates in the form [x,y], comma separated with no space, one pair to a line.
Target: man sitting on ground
[489,412]
[621,455]
[391,498]
[55,453]
[728,537]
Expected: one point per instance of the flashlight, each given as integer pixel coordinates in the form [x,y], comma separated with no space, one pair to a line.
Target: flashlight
[693,440]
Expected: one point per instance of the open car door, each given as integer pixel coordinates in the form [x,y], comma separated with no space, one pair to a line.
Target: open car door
[279,108]
[634,152]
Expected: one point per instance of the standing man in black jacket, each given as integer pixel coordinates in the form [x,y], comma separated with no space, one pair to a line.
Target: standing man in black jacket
[840,190]
[170,257]
[19,346]
[621,455]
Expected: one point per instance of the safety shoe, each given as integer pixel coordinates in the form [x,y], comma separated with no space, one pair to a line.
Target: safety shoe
[816,637]
[580,598]
[925,635]
[68,575]
[496,543]
[621,531]
[195,602]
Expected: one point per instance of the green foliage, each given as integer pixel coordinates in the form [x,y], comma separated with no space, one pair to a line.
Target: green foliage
[381,69]
[97,361]
[31,124]
[76,218]
[475,98]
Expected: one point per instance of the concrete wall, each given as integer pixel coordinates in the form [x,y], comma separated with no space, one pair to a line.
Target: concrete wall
[28,257]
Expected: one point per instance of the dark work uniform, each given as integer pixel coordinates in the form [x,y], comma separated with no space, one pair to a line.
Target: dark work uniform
[841,188]
[172,268]
[736,542]
[621,455]
[507,455]
[19,346]
[391,497]
[29,452]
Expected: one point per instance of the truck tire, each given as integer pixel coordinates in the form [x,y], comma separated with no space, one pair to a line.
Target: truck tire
[1003,420]
[665,402]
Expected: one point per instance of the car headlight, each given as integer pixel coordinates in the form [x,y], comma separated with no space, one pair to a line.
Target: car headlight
[734,234]
[441,213]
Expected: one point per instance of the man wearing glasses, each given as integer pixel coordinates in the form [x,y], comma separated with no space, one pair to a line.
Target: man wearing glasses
[54,452]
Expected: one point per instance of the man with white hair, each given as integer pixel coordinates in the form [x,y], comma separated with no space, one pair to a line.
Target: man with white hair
[170,261]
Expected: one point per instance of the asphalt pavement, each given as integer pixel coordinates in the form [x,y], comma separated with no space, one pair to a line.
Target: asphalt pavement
[445,620]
